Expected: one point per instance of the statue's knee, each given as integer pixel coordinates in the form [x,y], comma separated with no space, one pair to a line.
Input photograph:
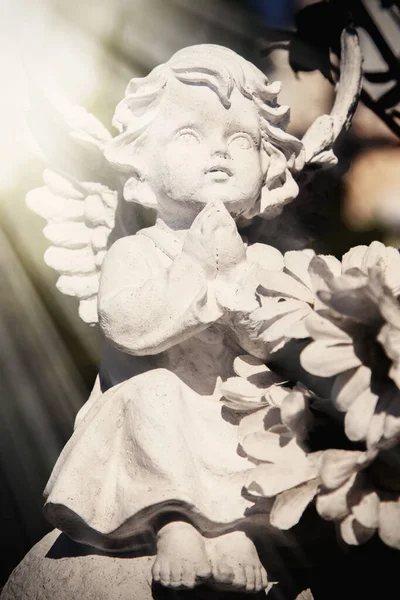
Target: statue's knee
[151,391]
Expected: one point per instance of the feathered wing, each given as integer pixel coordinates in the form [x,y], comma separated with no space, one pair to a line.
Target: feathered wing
[80,218]
[80,202]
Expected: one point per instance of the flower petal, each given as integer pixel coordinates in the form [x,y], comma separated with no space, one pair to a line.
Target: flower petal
[355,295]
[334,265]
[246,365]
[322,269]
[237,388]
[349,386]
[273,307]
[297,263]
[337,466]
[322,329]
[355,302]
[290,505]
[359,416]
[391,428]
[273,447]
[377,423]
[282,327]
[394,372]
[383,298]
[375,256]
[334,505]
[325,361]
[244,406]
[351,282]
[296,415]
[367,510]
[389,522]
[243,396]
[285,285]
[276,395]
[392,273]
[258,421]
[389,337]
[265,256]
[254,371]
[353,258]
[353,533]
[271,479]
[299,331]
[320,274]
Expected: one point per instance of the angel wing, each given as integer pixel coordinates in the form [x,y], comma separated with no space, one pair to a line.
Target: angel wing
[82,204]
[320,137]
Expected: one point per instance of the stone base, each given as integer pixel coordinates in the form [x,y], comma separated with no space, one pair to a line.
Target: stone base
[59,569]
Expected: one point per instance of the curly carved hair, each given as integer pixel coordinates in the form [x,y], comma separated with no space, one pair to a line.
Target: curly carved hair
[221,70]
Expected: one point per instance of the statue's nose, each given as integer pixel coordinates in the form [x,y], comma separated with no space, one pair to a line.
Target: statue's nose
[221,153]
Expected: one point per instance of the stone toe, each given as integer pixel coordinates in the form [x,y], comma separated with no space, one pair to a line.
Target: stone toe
[250,578]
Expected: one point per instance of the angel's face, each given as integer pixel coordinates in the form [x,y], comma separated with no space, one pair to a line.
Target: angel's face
[202,151]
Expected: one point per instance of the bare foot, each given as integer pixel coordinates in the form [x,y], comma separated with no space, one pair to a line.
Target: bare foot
[235,562]
[181,557]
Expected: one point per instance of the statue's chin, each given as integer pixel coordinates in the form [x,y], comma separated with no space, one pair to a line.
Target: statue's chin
[234,205]
[193,204]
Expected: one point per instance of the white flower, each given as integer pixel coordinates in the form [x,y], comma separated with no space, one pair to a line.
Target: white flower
[288,294]
[293,285]
[255,386]
[386,258]
[389,335]
[273,430]
[353,317]
[292,480]
[345,346]
[360,491]
[273,437]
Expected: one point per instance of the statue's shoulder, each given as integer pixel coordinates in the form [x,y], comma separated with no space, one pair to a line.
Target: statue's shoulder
[149,241]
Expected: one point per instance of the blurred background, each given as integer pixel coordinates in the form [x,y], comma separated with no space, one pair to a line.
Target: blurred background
[84,53]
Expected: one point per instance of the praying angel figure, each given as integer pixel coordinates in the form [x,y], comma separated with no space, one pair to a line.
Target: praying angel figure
[153,464]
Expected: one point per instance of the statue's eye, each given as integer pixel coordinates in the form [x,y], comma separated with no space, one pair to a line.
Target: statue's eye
[188,137]
[241,141]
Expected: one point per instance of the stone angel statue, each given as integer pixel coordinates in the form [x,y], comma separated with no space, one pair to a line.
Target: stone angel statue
[153,463]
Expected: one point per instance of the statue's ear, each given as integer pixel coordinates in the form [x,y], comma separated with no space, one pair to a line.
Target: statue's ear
[137,189]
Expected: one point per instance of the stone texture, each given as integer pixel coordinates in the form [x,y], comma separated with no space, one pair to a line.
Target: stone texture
[59,568]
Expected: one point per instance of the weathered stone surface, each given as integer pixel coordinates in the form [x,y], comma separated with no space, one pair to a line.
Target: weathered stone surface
[57,568]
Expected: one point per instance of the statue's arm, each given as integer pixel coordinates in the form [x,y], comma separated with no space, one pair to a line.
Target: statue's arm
[143,314]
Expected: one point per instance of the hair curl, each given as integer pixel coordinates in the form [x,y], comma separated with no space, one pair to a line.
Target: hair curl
[221,70]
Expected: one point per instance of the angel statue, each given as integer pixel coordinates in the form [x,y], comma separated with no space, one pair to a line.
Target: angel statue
[153,464]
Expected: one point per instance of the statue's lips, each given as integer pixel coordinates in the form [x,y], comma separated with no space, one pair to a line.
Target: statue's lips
[219,172]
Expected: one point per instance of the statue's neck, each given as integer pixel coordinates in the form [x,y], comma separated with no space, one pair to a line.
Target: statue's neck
[176,219]
[177,231]
[176,225]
